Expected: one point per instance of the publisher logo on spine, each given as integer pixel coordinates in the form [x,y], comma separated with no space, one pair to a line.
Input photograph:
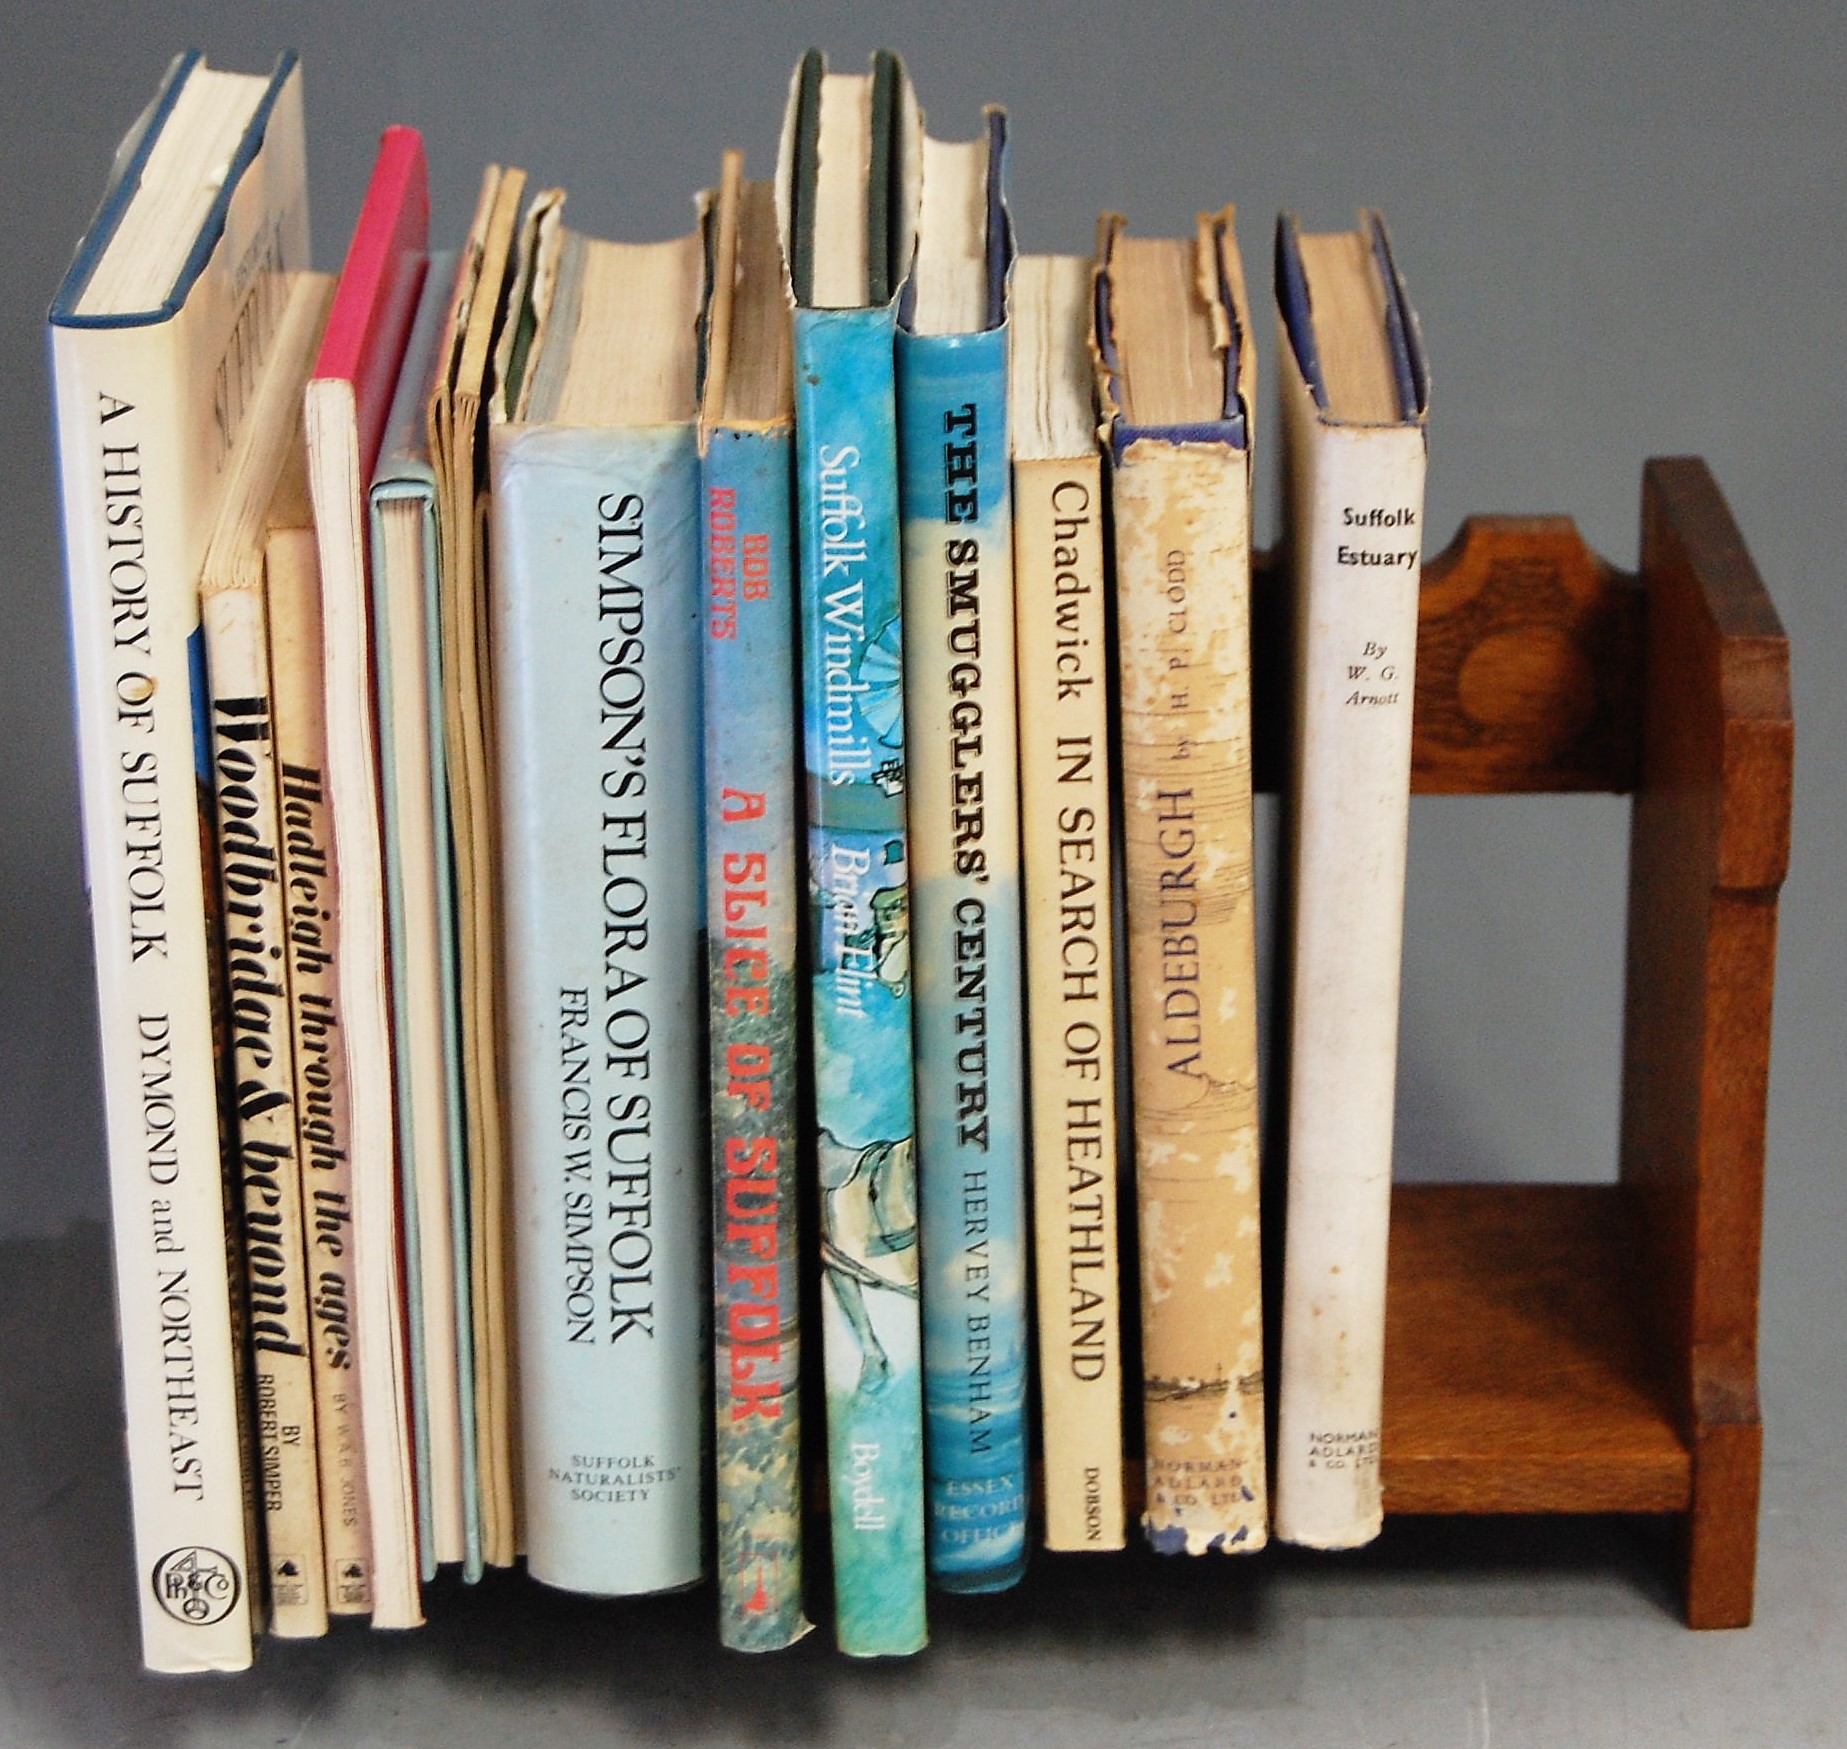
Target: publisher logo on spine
[196,1585]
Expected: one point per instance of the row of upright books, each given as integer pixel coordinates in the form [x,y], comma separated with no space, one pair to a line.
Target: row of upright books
[635,792]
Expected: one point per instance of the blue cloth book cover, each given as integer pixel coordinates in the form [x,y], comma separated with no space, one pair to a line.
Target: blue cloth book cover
[962,716]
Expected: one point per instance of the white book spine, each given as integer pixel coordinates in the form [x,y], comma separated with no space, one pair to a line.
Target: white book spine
[1356,502]
[134,535]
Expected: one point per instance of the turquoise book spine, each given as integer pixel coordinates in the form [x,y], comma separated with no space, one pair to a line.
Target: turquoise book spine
[853,734]
[965,948]
[596,678]
[404,476]
[753,915]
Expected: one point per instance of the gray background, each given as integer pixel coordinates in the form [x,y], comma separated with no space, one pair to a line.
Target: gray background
[1625,230]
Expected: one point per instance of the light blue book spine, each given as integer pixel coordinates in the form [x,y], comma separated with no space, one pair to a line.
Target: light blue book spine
[753,914]
[404,476]
[596,667]
[965,922]
[853,710]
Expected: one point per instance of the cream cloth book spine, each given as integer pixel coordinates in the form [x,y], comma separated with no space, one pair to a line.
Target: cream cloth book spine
[1066,825]
[1354,506]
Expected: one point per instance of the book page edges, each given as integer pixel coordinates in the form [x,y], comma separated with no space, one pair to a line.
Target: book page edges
[276,126]
[1218,285]
[949,279]
[631,355]
[270,436]
[1052,385]
[794,204]
[1403,337]
[761,390]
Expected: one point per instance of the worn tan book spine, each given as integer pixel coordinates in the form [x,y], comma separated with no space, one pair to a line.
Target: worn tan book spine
[1065,817]
[458,454]
[263,1093]
[1182,515]
[313,944]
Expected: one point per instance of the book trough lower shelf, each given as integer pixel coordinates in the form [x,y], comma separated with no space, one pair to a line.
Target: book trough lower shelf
[1592,1348]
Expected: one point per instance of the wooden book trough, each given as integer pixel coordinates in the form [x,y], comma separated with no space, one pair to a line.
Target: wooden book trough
[1593,1348]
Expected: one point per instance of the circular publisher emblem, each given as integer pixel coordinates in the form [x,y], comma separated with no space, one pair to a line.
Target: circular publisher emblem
[196,1585]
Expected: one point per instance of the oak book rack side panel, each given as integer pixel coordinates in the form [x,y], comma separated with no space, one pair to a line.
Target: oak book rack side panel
[1586,1347]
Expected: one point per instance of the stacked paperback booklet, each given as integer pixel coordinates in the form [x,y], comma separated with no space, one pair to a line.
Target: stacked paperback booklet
[644,801]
